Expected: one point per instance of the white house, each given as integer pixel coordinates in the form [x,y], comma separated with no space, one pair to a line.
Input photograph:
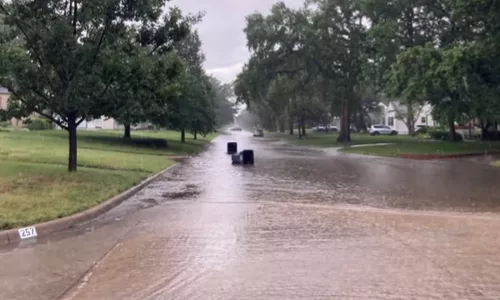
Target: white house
[101,123]
[393,113]
[106,123]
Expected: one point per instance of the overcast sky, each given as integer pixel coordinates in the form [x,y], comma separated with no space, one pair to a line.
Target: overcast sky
[221,31]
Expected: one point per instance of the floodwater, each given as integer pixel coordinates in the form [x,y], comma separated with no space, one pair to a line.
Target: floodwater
[301,223]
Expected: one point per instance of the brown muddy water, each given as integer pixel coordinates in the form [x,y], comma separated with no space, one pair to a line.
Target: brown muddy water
[300,224]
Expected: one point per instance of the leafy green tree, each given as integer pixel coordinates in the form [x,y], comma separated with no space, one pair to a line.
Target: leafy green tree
[338,43]
[194,107]
[146,69]
[64,53]
[223,97]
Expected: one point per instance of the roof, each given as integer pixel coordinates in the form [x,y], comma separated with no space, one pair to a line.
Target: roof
[3,90]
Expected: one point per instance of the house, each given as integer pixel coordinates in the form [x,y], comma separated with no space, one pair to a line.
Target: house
[393,114]
[4,104]
[106,123]
[101,123]
[4,98]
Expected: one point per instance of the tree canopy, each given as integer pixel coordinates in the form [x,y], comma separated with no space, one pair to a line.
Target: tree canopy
[337,58]
[70,61]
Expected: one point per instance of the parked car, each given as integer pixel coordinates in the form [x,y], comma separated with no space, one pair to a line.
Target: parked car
[421,129]
[236,129]
[332,128]
[325,128]
[382,129]
[258,133]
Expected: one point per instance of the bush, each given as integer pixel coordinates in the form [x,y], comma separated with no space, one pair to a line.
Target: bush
[3,115]
[493,136]
[4,124]
[39,124]
[6,129]
[444,135]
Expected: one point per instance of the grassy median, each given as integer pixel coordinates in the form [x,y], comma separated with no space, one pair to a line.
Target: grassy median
[397,145]
[329,139]
[34,183]
[426,147]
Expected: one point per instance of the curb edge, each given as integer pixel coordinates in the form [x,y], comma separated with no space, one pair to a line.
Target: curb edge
[45,228]
[446,156]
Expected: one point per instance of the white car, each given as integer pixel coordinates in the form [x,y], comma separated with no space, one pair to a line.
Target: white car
[382,129]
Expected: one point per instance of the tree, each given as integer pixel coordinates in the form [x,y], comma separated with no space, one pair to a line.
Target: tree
[223,97]
[411,79]
[193,108]
[65,54]
[398,26]
[338,47]
[145,69]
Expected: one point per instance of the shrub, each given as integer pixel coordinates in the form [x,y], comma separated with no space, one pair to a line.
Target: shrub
[493,136]
[444,135]
[4,124]
[6,129]
[3,115]
[39,124]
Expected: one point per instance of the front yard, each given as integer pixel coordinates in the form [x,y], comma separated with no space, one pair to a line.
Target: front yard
[426,148]
[397,145]
[325,139]
[34,183]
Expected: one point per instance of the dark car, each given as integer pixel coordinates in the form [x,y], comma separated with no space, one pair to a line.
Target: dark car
[421,129]
[258,133]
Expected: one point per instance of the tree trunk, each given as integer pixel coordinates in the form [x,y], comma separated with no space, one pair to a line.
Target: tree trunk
[126,134]
[484,130]
[290,127]
[73,150]
[282,126]
[303,127]
[345,134]
[183,135]
[299,130]
[453,133]
[195,134]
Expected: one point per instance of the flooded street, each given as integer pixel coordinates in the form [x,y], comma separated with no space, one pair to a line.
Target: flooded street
[299,224]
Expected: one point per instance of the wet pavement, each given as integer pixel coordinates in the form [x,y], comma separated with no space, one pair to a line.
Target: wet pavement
[301,224]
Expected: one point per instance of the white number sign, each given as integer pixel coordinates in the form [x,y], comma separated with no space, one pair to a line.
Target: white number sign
[27,232]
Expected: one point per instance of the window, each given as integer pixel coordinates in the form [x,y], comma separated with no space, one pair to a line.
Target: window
[390,121]
[423,120]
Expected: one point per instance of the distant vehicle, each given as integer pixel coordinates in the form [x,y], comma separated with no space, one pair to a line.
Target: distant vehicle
[382,129]
[236,129]
[421,129]
[326,128]
[258,133]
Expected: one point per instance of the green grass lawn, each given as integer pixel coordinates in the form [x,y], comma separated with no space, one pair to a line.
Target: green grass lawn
[34,183]
[423,147]
[399,144]
[323,139]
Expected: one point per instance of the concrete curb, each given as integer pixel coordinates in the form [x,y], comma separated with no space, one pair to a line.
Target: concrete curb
[12,235]
[445,156]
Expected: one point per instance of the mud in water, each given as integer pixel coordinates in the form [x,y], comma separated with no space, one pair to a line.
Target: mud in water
[299,224]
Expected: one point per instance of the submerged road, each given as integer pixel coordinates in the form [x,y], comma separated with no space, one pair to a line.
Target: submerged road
[300,224]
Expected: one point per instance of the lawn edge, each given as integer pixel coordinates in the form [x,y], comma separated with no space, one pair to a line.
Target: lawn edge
[46,228]
[445,156]
[426,156]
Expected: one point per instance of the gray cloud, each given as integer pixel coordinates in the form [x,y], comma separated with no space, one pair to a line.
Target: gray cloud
[221,31]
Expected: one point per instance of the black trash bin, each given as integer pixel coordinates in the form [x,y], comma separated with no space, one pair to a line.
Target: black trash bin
[236,158]
[232,148]
[248,157]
